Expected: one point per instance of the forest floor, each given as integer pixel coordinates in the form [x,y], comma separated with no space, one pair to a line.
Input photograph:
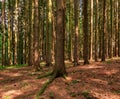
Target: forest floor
[94,81]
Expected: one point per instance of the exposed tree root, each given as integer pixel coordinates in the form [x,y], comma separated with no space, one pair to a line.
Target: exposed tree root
[45,75]
[50,80]
[45,86]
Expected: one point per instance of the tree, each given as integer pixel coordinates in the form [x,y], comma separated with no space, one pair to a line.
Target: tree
[30,34]
[76,5]
[3,30]
[91,32]
[49,34]
[104,32]
[96,31]
[85,31]
[36,38]
[111,34]
[59,68]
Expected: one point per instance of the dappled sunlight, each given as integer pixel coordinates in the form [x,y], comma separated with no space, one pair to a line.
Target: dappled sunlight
[9,74]
[110,72]
[92,67]
[68,78]
[10,94]
[99,81]
[103,94]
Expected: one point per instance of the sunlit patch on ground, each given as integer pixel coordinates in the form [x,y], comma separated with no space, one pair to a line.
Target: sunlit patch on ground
[10,94]
[94,81]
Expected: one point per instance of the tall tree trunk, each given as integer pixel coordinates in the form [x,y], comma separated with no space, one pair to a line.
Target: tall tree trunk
[30,35]
[104,32]
[70,43]
[49,34]
[119,28]
[59,68]
[91,32]
[3,30]
[96,31]
[36,38]
[111,30]
[85,31]
[16,29]
[76,5]
[9,34]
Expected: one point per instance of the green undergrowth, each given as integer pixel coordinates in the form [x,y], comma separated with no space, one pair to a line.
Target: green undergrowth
[116,92]
[12,66]
[2,67]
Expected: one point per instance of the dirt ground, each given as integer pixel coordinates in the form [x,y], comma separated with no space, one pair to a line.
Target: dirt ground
[94,81]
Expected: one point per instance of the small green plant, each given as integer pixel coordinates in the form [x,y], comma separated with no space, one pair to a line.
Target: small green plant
[6,97]
[17,66]
[75,81]
[73,94]
[117,91]
[25,84]
[85,93]
[108,62]
[51,94]
[2,67]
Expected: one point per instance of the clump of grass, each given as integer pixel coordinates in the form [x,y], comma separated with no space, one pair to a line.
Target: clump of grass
[7,97]
[75,81]
[17,66]
[85,93]
[12,66]
[108,62]
[73,94]
[2,67]
[117,91]
[51,95]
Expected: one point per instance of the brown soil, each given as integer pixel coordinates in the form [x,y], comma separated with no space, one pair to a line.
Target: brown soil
[95,81]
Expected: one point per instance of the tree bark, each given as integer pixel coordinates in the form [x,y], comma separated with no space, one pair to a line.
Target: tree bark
[36,38]
[76,5]
[59,68]
[85,31]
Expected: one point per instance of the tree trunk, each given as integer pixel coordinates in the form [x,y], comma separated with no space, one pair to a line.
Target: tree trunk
[49,34]
[36,38]
[96,31]
[85,31]
[91,32]
[104,32]
[3,30]
[59,68]
[76,5]
[111,30]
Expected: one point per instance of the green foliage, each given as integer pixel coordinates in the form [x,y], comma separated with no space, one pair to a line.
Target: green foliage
[73,94]
[51,94]
[17,66]
[116,91]
[14,66]
[85,93]
[6,97]
[108,62]
[75,81]
[2,67]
